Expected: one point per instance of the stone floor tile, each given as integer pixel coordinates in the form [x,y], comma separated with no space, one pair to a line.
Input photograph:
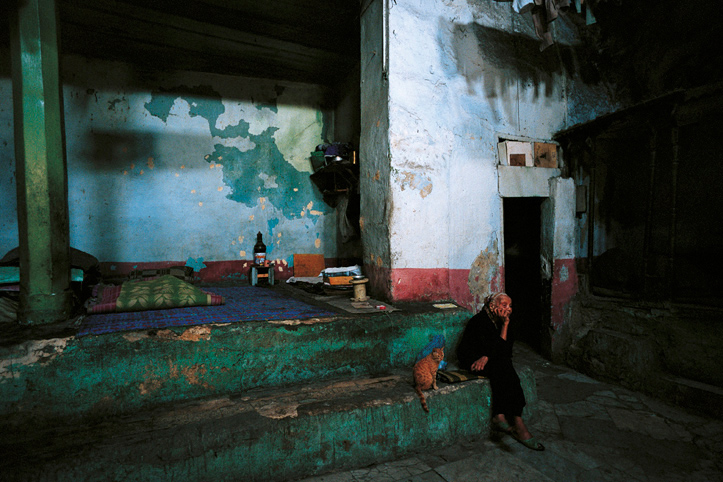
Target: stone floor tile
[649,424]
[336,477]
[397,470]
[551,462]
[581,409]
[712,446]
[662,457]
[397,473]
[371,475]
[629,397]
[607,398]
[431,476]
[698,476]
[500,468]
[671,412]
[606,393]
[559,390]
[572,453]
[710,429]
[613,458]
[578,377]
[593,431]
[546,421]
[708,475]
[363,472]
[611,474]
[432,459]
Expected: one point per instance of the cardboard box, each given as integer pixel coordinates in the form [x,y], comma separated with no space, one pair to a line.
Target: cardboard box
[515,153]
[340,280]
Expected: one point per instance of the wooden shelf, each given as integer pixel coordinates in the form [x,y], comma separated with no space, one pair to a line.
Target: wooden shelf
[335,179]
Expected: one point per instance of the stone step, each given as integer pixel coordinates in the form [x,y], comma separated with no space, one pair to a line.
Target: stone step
[120,373]
[271,434]
[693,394]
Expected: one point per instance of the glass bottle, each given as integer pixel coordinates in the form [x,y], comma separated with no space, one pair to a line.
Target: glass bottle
[259,250]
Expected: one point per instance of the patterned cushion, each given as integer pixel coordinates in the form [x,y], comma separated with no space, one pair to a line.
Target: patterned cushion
[457,376]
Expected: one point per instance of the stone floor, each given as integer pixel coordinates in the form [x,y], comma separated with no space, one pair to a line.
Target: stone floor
[592,431]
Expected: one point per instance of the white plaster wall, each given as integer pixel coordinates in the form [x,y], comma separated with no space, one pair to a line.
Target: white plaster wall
[562,194]
[464,73]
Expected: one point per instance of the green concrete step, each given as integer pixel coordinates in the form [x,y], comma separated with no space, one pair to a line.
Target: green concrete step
[270,434]
[82,379]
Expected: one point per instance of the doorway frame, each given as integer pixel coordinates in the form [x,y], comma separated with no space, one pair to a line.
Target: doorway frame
[557,239]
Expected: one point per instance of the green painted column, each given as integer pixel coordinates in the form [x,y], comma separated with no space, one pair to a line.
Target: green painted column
[41,170]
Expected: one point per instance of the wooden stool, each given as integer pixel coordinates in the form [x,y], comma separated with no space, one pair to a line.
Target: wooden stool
[259,271]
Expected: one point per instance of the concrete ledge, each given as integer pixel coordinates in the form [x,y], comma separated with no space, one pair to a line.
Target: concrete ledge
[692,394]
[258,435]
[99,376]
[525,181]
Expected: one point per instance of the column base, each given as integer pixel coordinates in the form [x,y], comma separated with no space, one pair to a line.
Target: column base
[43,309]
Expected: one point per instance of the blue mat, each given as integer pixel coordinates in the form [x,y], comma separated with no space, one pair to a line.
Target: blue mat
[243,303]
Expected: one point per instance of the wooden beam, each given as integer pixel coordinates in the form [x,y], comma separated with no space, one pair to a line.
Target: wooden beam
[158,29]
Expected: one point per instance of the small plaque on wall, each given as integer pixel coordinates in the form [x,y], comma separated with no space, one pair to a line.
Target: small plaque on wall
[545,154]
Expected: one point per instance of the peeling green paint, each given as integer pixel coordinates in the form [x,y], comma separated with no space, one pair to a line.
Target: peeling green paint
[272,223]
[241,174]
[141,369]
[271,107]
[260,172]
[204,102]
[218,428]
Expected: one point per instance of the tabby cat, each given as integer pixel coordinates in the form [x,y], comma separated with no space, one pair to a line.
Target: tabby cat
[425,374]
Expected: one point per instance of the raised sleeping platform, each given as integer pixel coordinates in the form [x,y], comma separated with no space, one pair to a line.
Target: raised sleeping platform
[257,400]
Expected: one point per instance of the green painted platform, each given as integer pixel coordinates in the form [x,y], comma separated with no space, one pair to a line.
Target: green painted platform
[250,401]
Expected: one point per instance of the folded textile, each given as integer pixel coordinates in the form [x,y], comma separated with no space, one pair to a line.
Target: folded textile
[184,273]
[156,294]
[455,376]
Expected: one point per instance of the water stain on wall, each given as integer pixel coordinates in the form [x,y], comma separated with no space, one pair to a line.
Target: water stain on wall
[415,180]
[483,274]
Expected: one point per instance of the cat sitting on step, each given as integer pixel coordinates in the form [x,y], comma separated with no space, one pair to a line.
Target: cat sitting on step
[425,374]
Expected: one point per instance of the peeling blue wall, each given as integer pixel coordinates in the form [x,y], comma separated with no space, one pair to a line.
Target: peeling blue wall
[163,167]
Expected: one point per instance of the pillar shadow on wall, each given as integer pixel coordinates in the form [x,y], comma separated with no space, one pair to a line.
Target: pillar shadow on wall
[106,180]
[498,61]
[155,190]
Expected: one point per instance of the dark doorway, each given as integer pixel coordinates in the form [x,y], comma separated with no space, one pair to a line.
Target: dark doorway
[523,281]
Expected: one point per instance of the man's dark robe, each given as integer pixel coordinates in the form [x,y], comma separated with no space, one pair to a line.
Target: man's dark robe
[482,338]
